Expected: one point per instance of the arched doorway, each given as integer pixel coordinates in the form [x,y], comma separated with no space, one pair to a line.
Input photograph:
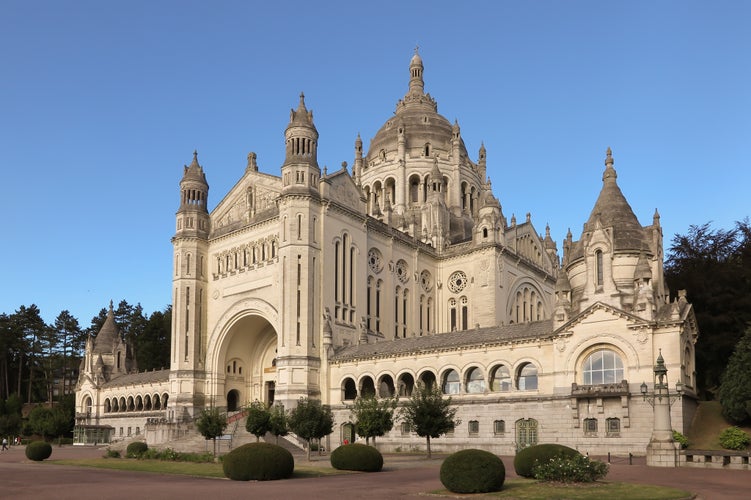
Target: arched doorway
[348,433]
[233,398]
[247,360]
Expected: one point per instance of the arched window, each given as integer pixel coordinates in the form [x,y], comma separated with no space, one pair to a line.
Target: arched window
[602,367]
[475,381]
[527,378]
[406,384]
[386,387]
[349,389]
[367,387]
[598,268]
[427,380]
[452,315]
[464,312]
[500,379]
[107,406]
[451,382]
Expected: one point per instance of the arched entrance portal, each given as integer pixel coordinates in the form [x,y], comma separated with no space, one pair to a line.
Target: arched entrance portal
[233,397]
[248,362]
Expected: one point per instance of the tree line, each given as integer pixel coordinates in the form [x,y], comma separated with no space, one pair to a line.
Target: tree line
[39,362]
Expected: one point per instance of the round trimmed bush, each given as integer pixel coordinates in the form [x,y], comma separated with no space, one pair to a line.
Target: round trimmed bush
[38,451]
[258,462]
[473,471]
[359,457]
[525,459]
[136,449]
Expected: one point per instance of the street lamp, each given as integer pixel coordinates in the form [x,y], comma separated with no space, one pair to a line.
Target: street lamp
[661,389]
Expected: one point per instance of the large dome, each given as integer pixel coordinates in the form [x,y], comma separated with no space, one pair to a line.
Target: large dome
[417,118]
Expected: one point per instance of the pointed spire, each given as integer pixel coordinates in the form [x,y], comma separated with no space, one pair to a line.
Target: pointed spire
[416,83]
[612,210]
[656,218]
[610,172]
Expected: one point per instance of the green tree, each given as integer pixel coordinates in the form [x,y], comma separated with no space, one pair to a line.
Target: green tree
[429,414]
[278,421]
[714,267]
[258,421]
[373,417]
[211,424]
[152,343]
[49,422]
[67,351]
[311,420]
[29,324]
[735,390]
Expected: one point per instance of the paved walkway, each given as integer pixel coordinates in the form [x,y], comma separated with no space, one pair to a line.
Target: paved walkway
[402,477]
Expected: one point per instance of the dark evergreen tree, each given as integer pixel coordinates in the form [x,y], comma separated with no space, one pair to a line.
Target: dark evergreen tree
[735,390]
[714,266]
[152,345]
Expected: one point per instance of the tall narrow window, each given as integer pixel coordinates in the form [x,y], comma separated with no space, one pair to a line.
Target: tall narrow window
[368,299]
[452,315]
[598,267]
[396,312]
[404,313]
[465,313]
[422,312]
[378,307]
[337,292]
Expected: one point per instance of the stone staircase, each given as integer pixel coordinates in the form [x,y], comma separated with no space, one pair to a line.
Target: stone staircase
[235,435]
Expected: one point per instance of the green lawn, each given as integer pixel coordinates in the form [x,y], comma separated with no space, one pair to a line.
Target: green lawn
[707,425]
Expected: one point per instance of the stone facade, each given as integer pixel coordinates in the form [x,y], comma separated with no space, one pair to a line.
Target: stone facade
[404,270]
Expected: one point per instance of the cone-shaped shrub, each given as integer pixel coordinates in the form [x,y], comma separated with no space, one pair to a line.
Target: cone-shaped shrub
[358,457]
[258,462]
[525,459]
[473,471]
[38,451]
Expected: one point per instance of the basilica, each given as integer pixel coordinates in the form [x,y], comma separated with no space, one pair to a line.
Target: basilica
[399,271]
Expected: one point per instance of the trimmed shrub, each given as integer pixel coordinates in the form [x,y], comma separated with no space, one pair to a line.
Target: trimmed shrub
[136,449]
[473,471]
[680,439]
[734,438]
[111,453]
[576,469]
[38,451]
[357,457]
[525,458]
[258,462]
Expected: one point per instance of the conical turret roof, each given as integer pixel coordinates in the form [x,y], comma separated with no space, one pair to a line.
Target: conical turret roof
[108,335]
[611,210]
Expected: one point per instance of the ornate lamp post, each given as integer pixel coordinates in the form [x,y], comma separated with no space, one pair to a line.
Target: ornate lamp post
[662,451]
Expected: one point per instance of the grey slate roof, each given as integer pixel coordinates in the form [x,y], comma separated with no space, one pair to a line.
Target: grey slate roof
[155,376]
[454,340]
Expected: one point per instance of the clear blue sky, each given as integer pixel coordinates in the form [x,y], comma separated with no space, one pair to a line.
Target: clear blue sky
[102,103]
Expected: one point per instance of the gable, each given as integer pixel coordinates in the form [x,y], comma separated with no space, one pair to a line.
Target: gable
[252,197]
[342,190]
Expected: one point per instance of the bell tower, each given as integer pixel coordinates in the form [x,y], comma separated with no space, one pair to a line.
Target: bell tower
[190,279]
[298,361]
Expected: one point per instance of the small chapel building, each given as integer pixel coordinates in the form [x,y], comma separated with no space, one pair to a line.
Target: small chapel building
[403,270]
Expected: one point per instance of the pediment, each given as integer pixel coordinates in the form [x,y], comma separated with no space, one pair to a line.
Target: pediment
[342,190]
[600,313]
[254,195]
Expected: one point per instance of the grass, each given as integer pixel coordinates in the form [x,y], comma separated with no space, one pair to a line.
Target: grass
[529,489]
[184,468]
[707,425]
